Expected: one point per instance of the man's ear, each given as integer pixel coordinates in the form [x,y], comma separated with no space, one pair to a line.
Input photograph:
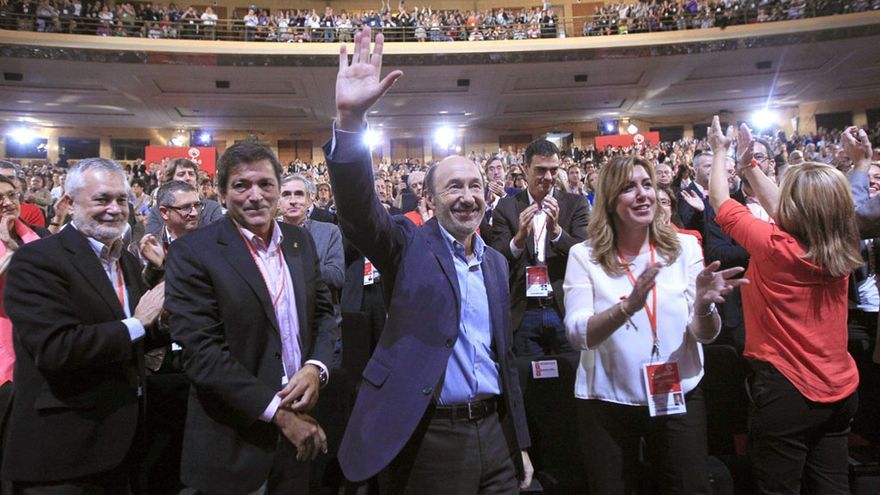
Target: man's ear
[429,200]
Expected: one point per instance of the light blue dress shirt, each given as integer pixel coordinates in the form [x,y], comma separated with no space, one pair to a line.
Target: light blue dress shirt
[471,372]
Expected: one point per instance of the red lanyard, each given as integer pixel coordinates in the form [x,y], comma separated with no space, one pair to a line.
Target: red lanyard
[277,296]
[120,286]
[652,313]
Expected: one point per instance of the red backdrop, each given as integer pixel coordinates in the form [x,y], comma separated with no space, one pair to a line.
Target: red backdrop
[626,139]
[206,158]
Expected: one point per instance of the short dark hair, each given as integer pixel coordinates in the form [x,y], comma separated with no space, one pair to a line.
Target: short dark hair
[242,153]
[138,182]
[165,195]
[540,147]
[177,163]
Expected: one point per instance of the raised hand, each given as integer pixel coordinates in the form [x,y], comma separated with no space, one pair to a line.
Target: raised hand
[718,141]
[357,84]
[745,142]
[639,295]
[856,145]
[691,198]
[713,285]
[551,208]
[152,250]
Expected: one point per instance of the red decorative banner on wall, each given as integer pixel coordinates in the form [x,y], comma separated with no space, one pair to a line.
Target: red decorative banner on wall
[205,157]
[623,140]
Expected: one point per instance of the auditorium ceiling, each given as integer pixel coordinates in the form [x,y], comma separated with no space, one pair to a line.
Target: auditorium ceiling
[657,78]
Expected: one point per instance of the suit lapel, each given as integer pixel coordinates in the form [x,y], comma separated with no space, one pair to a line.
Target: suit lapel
[493,292]
[236,253]
[291,249]
[87,263]
[522,202]
[441,251]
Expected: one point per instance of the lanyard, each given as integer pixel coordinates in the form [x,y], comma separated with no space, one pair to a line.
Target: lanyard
[652,313]
[120,286]
[540,235]
[277,296]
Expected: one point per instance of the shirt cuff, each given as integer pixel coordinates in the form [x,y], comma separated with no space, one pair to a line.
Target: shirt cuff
[556,239]
[515,251]
[271,409]
[135,328]
[321,365]
[346,146]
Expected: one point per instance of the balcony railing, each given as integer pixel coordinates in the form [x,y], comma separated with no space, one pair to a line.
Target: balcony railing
[272,31]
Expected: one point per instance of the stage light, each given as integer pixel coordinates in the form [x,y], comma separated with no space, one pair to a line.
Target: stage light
[205,138]
[609,126]
[22,135]
[632,129]
[372,138]
[763,119]
[444,137]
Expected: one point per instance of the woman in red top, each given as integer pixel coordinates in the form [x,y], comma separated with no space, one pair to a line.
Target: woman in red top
[803,380]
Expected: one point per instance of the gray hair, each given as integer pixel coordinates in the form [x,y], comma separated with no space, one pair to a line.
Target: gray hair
[75,176]
[413,175]
[165,194]
[9,165]
[310,187]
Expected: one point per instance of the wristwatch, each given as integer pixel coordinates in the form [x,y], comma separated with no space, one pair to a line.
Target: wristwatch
[323,376]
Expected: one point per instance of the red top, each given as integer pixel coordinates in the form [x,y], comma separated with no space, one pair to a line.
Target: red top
[415,217]
[32,215]
[695,233]
[795,315]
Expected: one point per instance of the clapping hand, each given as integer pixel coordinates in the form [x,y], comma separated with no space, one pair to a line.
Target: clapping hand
[691,198]
[357,84]
[718,141]
[713,285]
[856,145]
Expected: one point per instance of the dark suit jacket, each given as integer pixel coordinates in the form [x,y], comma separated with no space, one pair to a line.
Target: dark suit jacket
[410,359]
[222,315]
[322,215]
[75,408]
[573,218]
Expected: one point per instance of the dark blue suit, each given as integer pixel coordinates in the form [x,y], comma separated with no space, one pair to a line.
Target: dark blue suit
[421,288]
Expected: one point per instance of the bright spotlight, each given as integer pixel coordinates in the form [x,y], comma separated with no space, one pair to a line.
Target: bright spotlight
[632,129]
[372,138]
[609,126]
[763,119]
[205,138]
[444,137]
[22,135]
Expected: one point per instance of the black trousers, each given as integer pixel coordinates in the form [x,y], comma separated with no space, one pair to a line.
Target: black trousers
[611,435]
[793,441]
[453,456]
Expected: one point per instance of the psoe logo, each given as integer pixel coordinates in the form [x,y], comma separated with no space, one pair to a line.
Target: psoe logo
[194,154]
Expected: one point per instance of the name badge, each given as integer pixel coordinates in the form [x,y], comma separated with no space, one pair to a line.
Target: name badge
[663,386]
[545,369]
[370,272]
[537,281]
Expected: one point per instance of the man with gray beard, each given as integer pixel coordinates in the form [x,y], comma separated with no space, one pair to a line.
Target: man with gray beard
[80,313]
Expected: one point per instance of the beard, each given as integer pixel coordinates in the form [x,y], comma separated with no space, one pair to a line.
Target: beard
[103,232]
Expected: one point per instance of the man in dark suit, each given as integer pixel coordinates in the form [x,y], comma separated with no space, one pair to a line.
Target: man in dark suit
[534,230]
[186,171]
[79,310]
[440,408]
[255,320]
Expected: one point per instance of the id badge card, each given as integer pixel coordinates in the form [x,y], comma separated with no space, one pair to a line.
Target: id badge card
[663,386]
[537,281]
[370,272]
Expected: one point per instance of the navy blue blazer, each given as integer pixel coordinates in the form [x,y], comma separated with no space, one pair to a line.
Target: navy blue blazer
[421,288]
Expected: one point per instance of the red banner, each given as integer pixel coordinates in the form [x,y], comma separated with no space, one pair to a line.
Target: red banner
[204,157]
[623,140]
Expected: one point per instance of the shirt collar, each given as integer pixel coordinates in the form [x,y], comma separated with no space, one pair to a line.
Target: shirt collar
[532,200]
[107,255]
[257,242]
[457,248]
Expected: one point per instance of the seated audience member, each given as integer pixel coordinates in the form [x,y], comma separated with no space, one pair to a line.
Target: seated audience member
[79,312]
[408,200]
[13,234]
[38,194]
[325,197]
[803,379]
[207,190]
[620,322]
[187,171]
[297,197]
[534,230]
[30,214]
[664,174]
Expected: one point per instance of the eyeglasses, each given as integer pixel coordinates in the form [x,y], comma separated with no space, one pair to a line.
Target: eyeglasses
[665,202]
[184,209]
[12,196]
